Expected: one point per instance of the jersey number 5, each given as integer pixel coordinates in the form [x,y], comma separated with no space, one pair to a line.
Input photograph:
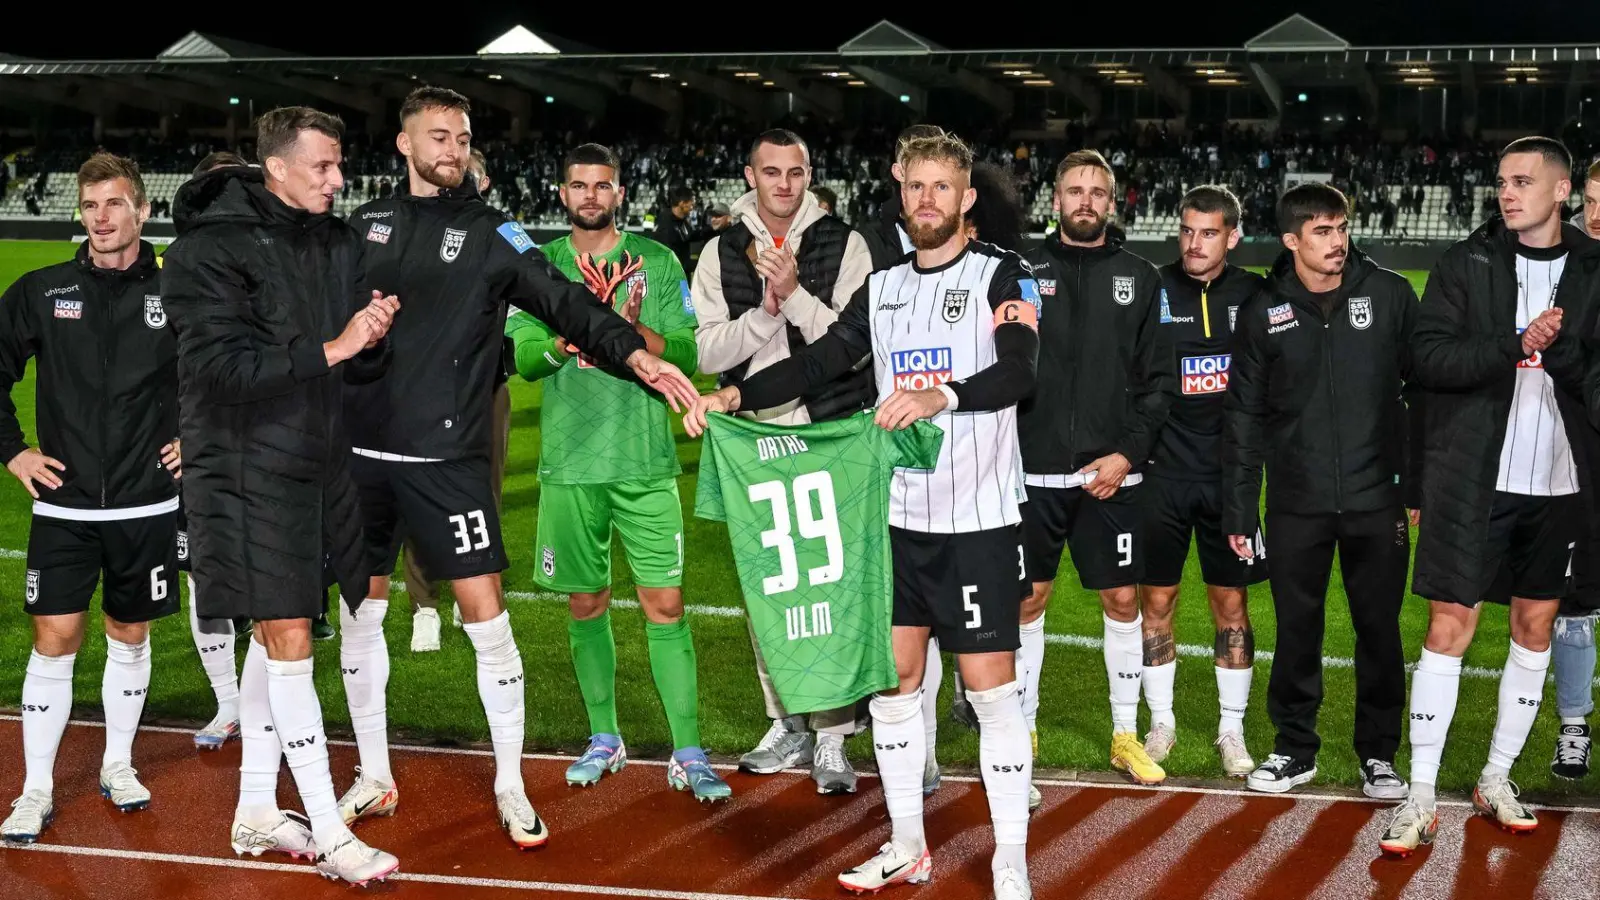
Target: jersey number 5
[822,523]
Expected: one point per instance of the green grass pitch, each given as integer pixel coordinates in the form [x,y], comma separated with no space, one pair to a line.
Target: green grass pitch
[433,696]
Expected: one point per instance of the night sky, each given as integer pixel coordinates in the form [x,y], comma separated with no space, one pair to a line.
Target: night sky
[352,29]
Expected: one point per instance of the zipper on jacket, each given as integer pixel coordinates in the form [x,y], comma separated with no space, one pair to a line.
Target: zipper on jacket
[105,390]
[1333,402]
[1205,309]
[1072,389]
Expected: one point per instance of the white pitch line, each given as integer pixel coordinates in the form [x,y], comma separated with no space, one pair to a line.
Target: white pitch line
[13,554]
[959,779]
[456,880]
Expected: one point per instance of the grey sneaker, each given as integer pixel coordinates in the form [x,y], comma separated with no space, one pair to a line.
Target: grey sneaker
[831,770]
[1158,743]
[786,745]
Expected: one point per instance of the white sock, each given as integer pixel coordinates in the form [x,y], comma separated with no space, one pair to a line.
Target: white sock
[123,687]
[1158,688]
[297,717]
[1233,695]
[896,729]
[501,687]
[260,752]
[1434,686]
[364,660]
[1574,720]
[1006,755]
[1521,689]
[1030,660]
[216,658]
[1124,653]
[46,707]
[932,678]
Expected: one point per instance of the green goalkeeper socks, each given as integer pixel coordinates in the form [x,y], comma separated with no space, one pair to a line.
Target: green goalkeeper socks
[672,662]
[594,656]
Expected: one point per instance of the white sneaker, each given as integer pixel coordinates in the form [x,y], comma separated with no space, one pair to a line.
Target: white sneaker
[31,814]
[355,862]
[1236,761]
[1159,742]
[367,798]
[519,820]
[1009,884]
[894,864]
[425,631]
[290,833]
[224,727]
[118,784]
[1035,799]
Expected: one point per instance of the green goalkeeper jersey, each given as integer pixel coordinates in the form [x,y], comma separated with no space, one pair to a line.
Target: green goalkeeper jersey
[596,428]
[807,509]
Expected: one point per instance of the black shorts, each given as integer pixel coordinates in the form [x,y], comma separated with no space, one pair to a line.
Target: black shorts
[1173,510]
[967,587]
[137,558]
[1530,547]
[1102,534]
[447,508]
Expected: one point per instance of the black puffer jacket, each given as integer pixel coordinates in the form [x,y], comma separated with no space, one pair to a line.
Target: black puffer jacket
[1466,351]
[254,288]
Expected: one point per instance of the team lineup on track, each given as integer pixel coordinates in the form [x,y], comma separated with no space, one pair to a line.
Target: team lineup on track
[776,839]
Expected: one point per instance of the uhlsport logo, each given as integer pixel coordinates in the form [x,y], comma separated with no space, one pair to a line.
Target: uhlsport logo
[919,370]
[154,315]
[955,305]
[450,247]
[1205,374]
[33,586]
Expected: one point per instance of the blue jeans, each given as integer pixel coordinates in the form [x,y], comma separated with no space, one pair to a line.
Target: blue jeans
[1572,656]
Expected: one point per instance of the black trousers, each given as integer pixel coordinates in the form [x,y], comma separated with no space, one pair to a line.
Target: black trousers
[1374,554]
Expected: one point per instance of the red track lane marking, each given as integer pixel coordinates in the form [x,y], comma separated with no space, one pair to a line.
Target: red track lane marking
[777,839]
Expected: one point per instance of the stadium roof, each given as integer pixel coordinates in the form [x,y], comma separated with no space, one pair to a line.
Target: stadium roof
[1295,53]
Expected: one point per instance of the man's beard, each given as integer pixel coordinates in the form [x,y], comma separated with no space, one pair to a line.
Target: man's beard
[1083,232]
[931,237]
[598,222]
[441,179]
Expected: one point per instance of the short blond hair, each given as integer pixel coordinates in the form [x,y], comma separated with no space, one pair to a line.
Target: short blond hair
[942,147]
[103,167]
[1080,159]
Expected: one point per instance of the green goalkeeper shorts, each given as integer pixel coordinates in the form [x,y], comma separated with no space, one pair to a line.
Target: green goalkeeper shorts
[574,540]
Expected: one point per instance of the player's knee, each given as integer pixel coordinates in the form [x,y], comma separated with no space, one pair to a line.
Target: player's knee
[1229,608]
[286,640]
[1532,624]
[58,635]
[1121,603]
[662,606]
[1034,604]
[131,633]
[892,709]
[589,606]
[1450,629]
[1159,605]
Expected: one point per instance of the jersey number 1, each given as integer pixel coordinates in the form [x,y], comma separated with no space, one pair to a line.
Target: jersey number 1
[823,523]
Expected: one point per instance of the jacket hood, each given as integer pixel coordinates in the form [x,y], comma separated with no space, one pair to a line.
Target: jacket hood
[1115,238]
[1357,266]
[234,194]
[146,264]
[746,210]
[467,190]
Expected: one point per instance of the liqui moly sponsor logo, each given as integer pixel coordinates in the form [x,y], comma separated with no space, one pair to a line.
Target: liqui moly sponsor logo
[919,370]
[1205,374]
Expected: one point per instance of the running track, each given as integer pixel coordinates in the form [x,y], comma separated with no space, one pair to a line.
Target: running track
[632,837]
